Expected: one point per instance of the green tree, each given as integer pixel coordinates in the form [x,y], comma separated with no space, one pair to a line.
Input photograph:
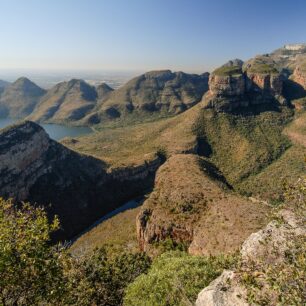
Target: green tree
[31,270]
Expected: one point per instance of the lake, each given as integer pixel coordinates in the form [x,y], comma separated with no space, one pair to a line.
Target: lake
[55,131]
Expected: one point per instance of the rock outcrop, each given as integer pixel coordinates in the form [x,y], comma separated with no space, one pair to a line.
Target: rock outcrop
[77,188]
[234,86]
[155,92]
[20,98]
[223,291]
[299,75]
[267,246]
[65,102]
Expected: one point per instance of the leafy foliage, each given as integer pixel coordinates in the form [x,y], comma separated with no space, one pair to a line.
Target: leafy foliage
[31,271]
[175,278]
[99,279]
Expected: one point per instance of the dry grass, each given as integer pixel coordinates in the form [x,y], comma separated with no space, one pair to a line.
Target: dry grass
[133,145]
[117,233]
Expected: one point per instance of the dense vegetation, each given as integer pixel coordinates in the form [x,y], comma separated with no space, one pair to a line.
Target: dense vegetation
[34,272]
[175,278]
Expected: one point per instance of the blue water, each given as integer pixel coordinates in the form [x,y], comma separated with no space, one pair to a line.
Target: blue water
[55,131]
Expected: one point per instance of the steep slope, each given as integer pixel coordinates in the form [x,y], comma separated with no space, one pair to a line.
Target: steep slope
[20,98]
[158,93]
[78,188]
[3,85]
[191,204]
[65,102]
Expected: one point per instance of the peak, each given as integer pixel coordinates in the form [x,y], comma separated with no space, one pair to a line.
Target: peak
[157,73]
[234,62]
[105,86]
[24,83]
[23,80]
[75,81]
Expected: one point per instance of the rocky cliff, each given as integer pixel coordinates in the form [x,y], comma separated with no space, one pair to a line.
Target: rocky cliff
[234,86]
[155,92]
[20,98]
[78,188]
[299,75]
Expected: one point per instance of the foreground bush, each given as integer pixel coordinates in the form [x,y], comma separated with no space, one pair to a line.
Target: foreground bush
[98,279]
[31,271]
[175,278]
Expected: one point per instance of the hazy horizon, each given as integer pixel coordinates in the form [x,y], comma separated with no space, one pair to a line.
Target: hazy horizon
[192,36]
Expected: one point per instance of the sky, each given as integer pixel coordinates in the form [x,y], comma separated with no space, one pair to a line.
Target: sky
[188,35]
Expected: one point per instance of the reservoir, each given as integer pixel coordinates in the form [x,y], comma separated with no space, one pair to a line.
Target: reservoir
[55,131]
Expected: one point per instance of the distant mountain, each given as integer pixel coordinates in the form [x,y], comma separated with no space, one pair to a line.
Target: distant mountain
[155,92]
[20,98]
[65,102]
[289,56]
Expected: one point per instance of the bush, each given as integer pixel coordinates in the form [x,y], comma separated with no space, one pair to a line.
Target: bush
[175,278]
[31,271]
[98,279]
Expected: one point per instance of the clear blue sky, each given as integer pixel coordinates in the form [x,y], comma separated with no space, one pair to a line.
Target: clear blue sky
[190,35]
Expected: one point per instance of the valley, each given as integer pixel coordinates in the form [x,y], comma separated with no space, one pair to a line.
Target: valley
[169,161]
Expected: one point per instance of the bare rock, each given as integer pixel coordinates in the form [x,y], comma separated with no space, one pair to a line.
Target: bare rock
[270,244]
[223,291]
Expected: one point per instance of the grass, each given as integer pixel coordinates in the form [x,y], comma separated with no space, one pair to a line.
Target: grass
[244,145]
[135,144]
[262,68]
[228,71]
[116,234]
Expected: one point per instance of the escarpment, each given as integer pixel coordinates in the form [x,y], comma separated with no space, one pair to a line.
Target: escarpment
[77,188]
[234,86]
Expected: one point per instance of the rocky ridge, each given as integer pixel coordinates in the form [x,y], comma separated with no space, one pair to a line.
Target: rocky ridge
[80,188]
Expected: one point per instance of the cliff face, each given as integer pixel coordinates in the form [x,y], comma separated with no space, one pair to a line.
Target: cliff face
[77,188]
[233,86]
[299,75]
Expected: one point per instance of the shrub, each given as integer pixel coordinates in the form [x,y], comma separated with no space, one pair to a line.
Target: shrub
[98,279]
[175,278]
[31,271]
